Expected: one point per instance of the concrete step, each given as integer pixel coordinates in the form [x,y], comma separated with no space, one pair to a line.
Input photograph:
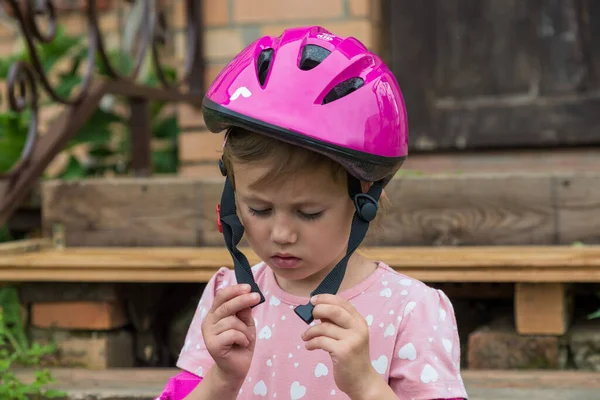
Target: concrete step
[146,384]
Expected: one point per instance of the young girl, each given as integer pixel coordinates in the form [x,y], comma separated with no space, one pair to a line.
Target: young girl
[316,126]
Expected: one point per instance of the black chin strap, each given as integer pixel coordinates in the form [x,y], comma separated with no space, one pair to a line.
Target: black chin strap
[366,205]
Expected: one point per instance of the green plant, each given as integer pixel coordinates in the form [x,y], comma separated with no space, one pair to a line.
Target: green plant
[106,134]
[15,349]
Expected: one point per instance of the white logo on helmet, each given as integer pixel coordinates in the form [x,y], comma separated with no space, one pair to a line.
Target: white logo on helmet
[243,91]
[326,36]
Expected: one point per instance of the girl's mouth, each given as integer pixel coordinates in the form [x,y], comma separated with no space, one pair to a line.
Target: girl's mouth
[285,261]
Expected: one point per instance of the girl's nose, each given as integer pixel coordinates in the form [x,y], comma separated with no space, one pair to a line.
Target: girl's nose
[283,231]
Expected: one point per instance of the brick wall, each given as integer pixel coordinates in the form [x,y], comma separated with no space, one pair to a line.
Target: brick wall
[230,25]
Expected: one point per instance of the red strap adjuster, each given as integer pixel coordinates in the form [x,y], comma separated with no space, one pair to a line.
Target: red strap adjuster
[219,225]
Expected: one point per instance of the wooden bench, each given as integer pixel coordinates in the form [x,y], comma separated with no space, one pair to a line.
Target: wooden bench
[541,274]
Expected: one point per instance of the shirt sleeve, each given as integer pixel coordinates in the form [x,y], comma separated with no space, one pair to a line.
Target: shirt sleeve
[194,356]
[426,360]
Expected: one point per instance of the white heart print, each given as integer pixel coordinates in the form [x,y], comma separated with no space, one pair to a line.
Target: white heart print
[447,345]
[241,91]
[297,391]
[369,319]
[429,374]
[387,292]
[442,313]
[269,363]
[389,331]
[380,364]
[321,370]
[260,389]
[265,333]
[409,307]
[408,352]
[274,301]
[405,282]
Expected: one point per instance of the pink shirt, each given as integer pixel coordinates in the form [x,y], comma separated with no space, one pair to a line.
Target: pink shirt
[413,340]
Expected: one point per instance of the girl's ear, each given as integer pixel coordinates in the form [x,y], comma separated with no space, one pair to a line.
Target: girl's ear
[365,186]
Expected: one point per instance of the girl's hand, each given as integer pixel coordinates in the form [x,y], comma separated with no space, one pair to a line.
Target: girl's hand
[344,334]
[229,331]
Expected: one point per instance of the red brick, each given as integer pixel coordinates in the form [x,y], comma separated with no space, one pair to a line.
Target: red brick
[189,116]
[86,315]
[215,13]
[359,8]
[499,346]
[222,43]
[211,71]
[259,11]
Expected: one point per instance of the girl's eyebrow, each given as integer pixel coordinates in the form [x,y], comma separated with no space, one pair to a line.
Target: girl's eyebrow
[306,203]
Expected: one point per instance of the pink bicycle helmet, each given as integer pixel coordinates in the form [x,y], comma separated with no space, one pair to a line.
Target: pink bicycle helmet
[326,93]
[315,89]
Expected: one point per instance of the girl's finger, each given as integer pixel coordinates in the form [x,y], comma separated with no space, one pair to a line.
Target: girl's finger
[325,329]
[231,337]
[246,317]
[236,304]
[227,323]
[227,294]
[323,343]
[334,313]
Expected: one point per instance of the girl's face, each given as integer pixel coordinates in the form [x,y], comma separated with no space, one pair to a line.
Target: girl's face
[299,225]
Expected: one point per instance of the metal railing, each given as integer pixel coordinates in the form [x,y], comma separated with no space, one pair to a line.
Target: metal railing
[26,80]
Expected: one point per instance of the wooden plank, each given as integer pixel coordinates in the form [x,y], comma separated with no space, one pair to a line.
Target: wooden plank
[549,161]
[146,382]
[498,209]
[517,122]
[412,56]
[459,209]
[25,245]
[123,211]
[542,308]
[578,208]
[562,52]
[590,16]
[483,47]
[452,264]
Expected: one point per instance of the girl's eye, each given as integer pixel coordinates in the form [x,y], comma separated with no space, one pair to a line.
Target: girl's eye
[311,217]
[259,213]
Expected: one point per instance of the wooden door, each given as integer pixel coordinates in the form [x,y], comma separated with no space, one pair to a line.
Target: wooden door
[498,73]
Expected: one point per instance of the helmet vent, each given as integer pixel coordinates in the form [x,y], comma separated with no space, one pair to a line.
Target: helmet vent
[343,89]
[263,64]
[312,55]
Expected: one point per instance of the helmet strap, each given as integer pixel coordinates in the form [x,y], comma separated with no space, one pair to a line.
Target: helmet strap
[366,205]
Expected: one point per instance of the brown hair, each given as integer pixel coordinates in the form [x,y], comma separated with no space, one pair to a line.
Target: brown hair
[246,147]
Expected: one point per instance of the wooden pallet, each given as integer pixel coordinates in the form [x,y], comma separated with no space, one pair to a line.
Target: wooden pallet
[147,383]
[541,274]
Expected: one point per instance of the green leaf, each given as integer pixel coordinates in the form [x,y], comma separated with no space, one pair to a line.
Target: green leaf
[97,129]
[594,315]
[50,53]
[164,161]
[10,152]
[74,169]
[67,84]
[167,128]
